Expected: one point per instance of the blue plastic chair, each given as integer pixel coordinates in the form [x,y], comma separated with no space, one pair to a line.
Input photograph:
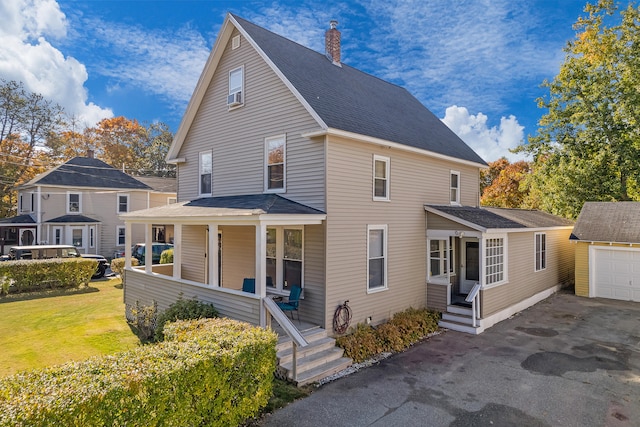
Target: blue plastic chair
[292,303]
[249,285]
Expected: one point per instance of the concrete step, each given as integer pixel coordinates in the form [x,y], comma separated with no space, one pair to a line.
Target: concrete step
[315,346]
[460,318]
[313,360]
[327,369]
[458,309]
[460,327]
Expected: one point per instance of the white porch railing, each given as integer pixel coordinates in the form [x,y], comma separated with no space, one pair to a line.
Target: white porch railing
[297,340]
[474,299]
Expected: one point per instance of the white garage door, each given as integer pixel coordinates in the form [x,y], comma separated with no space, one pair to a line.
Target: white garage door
[616,273]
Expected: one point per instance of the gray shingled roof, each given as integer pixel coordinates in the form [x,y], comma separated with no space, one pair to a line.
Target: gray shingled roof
[268,203]
[498,218]
[87,172]
[160,184]
[617,222]
[20,219]
[351,100]
[72,219]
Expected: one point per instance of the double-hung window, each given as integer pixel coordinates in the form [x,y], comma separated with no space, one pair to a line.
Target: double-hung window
[540,251]
[285,257]
[494,260]
[206,169]
[376,257]
[275,164]
[380,178]
[454,186]
[123,203]
[74,202]
[236,88]
[439,258]
[120,235]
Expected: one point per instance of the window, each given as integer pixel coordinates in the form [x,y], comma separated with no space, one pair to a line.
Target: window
[438,259]
[455,188]
[275,152]
[377,257]
[76,237]
[74,202]
[380,178]
[236,83]
[123,203]
[494,260]
[20,204]
[205,173]
[171,200]
[92,237]
[57,236]
[541,251]
[285,257]
[120,230]
[33,202]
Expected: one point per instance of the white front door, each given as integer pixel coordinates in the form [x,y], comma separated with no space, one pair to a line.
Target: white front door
[470,267]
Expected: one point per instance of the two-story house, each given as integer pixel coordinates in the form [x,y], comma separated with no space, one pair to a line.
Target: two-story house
[79,203]
[297,169]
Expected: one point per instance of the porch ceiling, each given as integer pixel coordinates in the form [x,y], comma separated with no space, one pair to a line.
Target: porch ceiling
[247,208]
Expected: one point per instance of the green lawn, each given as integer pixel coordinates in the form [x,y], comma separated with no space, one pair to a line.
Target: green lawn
[49,329]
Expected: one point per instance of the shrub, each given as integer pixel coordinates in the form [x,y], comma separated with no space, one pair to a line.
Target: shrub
[183,309]
[117,265]
[166,257]
[144,319]
[214,372]
[40,274]
[403,330]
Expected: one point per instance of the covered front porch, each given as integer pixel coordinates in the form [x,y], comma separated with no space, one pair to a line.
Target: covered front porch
[221,241]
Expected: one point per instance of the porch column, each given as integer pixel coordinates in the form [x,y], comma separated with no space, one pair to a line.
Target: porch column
[177,251]
[261,267]
[213,255]
[148,248]
[127,244]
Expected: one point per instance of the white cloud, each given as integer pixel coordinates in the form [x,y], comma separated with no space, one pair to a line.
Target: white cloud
[490,143]
[27,56]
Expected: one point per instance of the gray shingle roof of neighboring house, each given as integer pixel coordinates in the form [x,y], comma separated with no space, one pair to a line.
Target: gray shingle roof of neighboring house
[160,184]
[72,219]
[498,218]
[608,222]
[20,219]
[351,100]
[87,172]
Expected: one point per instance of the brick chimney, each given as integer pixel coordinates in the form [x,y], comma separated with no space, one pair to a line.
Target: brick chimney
[90,154]
[332,42]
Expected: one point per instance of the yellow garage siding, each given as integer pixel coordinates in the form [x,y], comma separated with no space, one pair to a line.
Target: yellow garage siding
[582,268]
[236,137]
[523,280]
[414,180]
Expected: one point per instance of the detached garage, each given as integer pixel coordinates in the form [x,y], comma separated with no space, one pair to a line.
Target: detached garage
[607,251]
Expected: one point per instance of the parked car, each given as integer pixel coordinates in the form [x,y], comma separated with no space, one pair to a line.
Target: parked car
[57,251]
[139,251]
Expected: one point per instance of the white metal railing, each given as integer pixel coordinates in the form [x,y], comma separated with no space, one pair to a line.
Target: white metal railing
[474,299]
[297,340]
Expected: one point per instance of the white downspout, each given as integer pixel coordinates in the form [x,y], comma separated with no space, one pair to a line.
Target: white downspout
[39,215]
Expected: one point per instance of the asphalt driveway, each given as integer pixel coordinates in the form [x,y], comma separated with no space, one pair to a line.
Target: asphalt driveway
[567,361]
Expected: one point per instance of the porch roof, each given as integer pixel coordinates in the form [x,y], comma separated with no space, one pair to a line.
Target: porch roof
[19,219]
[72,219]
[244,207]
[484,219]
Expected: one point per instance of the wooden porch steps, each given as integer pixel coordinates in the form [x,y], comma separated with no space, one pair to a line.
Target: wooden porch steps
[460,319]
[320,359]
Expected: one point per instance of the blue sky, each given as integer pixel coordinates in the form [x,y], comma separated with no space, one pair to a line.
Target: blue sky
[477,65]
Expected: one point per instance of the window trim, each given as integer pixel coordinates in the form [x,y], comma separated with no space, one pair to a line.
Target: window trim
[537,251]
[280,258]
[485,265]
[267,140]
[61,235]
[451,188]
[92,236]
[118,228]
[118,195]
[230,92]
[200,174]
[445,258]
[385,256]
[387,187]
[69,193]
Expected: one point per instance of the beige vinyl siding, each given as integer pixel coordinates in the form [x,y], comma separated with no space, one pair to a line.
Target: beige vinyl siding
[437,297]
[146,288]
[582,268]
[238,255]
[236,137]
[523,281]
[436,222]
[312,307]
[415,180]
[194,243]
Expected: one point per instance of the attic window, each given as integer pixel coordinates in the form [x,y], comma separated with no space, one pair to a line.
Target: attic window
[236,83]
[235,42]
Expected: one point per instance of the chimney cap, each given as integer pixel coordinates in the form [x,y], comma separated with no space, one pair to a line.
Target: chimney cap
[333,24]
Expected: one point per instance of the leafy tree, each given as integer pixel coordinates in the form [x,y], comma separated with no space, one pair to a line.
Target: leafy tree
[505,189]
[159,139]
[588,143]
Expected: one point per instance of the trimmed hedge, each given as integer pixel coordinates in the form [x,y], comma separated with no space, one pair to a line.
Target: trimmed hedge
[183,309]
[214,372]
[117,265]
[404,329]
[40,274]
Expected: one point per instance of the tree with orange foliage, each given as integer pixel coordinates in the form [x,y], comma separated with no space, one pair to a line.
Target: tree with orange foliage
[506,189]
